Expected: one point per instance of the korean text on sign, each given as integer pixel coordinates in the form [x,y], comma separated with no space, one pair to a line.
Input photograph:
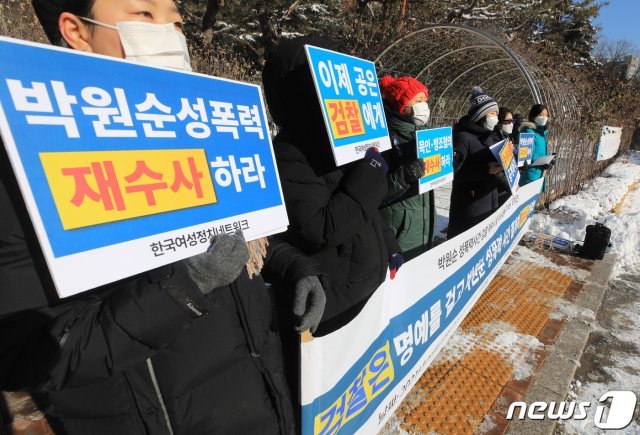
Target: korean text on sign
[525,148]
[504,153]
[112,161]
[349,95]
[435,149]
[112,115]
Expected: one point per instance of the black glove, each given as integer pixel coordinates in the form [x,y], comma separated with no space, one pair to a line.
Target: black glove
[395,262]
[501,178]
[517,121]
[413,171]
[375,159]
[308,303]
[552,163]
[221,264]
[515,134]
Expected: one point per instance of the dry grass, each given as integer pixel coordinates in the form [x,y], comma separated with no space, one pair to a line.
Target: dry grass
[18,20]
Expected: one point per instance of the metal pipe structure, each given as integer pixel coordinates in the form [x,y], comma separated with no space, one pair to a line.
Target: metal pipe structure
[451,59]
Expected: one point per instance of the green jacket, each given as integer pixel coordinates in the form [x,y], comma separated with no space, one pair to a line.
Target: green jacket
[410,215]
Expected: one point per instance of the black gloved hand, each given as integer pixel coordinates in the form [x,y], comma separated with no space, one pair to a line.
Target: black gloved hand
[517,121]
[375,159]
[502,180]
[395,262]
[413,171]
[221,264]
[308,303]
[551,163]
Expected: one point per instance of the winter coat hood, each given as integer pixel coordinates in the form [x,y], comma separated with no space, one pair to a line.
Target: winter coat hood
[293,102]
[465,125]
[533,127]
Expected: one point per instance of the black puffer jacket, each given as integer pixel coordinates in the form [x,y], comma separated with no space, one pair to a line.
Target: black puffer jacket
[474,196]
[502,183]
[146,353]
[333,212]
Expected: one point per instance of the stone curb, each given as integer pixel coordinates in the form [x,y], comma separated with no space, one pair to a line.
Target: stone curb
[552,382]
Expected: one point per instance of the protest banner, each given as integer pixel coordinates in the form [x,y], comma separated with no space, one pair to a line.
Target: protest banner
[349,94]
[435,148]
[125,167]
[525,148]
[503,152]
[353,379]
[609,143]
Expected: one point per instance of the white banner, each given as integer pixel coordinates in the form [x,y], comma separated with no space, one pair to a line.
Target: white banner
[609,142]
[354,379]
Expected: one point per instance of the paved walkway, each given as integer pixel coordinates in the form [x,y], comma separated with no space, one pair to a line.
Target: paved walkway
[496,353]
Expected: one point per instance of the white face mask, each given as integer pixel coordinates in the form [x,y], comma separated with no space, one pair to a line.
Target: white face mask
[507,128]
[421,113]
[491,122]
[542,120]
[152,44]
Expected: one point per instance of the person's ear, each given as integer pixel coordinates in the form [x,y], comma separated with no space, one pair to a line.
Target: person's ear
[75,32]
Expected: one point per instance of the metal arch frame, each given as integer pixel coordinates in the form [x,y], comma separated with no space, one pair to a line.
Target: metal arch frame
[449,53]
[520,103]
[441,48]
[497,75]
[513,97]
[465,73]
[523,70]
[495,93]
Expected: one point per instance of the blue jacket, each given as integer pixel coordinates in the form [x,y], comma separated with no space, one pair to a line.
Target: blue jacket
[539,150]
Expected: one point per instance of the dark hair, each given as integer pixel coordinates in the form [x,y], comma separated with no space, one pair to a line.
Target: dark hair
[48,12]
[536,110]
[502,113]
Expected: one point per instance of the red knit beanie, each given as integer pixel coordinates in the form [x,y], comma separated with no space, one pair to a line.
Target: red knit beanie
[398,92]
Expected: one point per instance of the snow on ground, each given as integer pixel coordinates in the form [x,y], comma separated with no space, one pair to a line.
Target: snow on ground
[518,349]
[522,253]
[487,426]
[568,217]
[568,310]
[611,361]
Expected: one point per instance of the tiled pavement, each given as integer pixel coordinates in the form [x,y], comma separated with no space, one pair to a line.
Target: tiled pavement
[492,359]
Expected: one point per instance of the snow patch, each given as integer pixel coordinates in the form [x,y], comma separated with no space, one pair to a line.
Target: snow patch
[523,356]
[518,349]
[568,217]
[526,254]
[393,427]
[488,425]
[568,310]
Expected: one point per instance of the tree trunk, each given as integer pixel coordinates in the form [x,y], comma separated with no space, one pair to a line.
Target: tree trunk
[209,19]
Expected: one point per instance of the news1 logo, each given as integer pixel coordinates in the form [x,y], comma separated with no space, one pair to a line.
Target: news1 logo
[623,405]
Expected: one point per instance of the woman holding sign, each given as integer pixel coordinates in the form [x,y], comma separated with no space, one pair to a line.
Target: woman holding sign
[474,195]
[410,215]
[536,124]
[507,128]
[188,348]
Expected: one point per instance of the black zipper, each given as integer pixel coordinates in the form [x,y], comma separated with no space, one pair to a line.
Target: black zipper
[256,357]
